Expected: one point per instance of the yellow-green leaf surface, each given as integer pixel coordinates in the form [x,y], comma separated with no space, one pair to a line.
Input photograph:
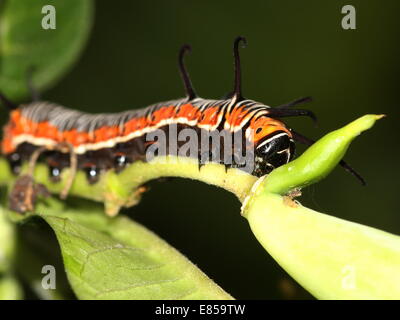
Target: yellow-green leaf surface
[25,44]
[116,258]
[332,258]
[7,242]
[10,289]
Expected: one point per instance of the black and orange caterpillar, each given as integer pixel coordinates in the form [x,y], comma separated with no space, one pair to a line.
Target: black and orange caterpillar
[95,143]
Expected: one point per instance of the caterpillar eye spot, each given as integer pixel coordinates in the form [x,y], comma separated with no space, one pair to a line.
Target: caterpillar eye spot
[55,174]
[15,162]
[92,174]
[120,162]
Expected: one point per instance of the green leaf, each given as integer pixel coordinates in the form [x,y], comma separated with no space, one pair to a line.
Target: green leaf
[319,159]
[7,242]
[10,288]
[37,247]
[116,258]
[330,257]
[25,44]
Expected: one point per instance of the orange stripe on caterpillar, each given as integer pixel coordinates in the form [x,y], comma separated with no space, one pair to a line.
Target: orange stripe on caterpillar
[264,126]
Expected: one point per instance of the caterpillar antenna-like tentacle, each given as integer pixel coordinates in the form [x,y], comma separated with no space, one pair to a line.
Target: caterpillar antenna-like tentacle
[191,94]
[282,113]
[294,103]
[237,86]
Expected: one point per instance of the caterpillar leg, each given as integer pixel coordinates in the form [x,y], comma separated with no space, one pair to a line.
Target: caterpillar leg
[73,168]
[33,160]
[25,191]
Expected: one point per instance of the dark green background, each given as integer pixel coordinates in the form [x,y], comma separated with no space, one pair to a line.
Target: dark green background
[295,48]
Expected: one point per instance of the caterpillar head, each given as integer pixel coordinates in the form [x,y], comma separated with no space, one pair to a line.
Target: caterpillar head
[272,152]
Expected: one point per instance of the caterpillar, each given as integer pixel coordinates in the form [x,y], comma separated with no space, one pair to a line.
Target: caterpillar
[46,132]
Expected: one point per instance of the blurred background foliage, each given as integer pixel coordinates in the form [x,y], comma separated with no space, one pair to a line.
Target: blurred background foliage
[294,49]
